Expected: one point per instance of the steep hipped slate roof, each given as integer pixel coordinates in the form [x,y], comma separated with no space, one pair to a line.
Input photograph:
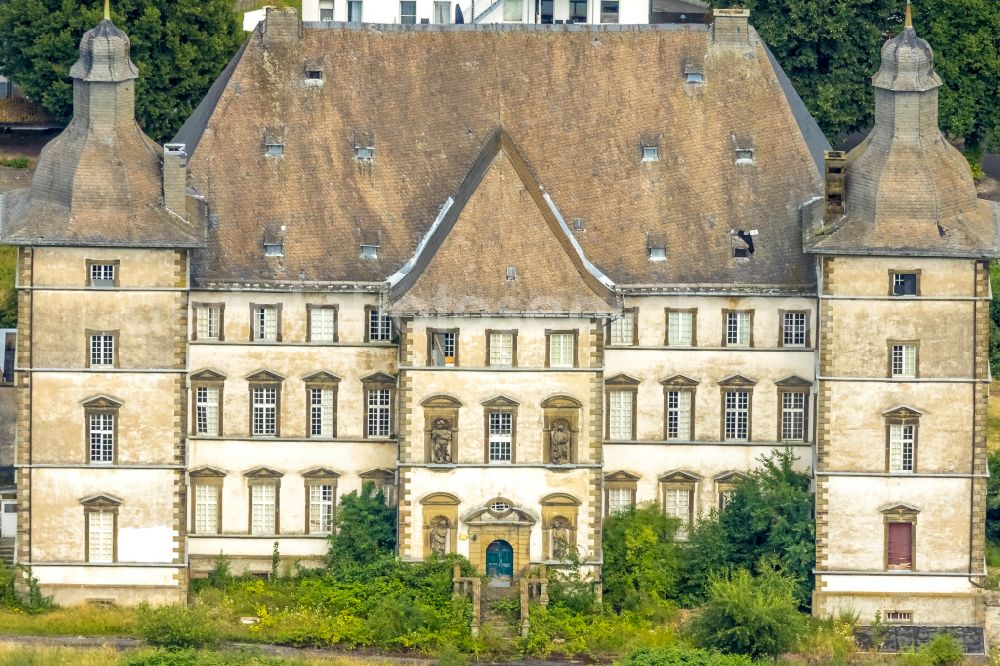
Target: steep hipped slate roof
[462,267]
[578,101]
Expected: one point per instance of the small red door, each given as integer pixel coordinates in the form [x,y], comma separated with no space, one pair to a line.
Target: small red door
[900,546]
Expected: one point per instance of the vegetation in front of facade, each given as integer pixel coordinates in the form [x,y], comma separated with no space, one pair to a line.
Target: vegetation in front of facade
[734,590]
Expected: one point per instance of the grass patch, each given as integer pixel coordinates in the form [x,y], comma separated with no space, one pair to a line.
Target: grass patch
[16,162]
[84,620]
[16,655]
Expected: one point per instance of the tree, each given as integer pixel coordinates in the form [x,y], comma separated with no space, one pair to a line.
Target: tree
[366,529]
[179,46]
[831,48]
[640,558]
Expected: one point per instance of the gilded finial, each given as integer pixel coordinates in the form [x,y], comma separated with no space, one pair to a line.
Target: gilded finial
[908,23]
[107,10]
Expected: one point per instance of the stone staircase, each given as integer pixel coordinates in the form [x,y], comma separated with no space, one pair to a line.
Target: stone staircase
[501,623]
[7,551]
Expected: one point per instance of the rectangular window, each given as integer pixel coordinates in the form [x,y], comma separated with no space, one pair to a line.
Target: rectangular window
[102,350]
[265,323]
[619,499]
[102,275]
[609,11]
[322,324]
[513,11]
[562,353]
[326,10]
[901,617]
[355,11]
[265,411]
[904,360]
[623,329]
[263,508]
[577,11]
[206,508]
[793,329]
[680,328]
[101,434]
[379,325]
[501,350]
[738,328]
[321,412]
[442,12]
[501,436]
[737,416]
[209,318]
[620,415]
[444,346]
[904,284]
[100,536]
[320,509]
[206,407]
[679,415]
[793,417]
[677,503]
[408,12]
[725,497]
[899,542]
[902,441]
[378,412]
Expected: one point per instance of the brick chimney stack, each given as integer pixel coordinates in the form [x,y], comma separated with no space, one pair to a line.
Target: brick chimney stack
[175,178]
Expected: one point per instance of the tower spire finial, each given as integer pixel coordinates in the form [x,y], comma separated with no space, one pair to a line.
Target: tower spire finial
[107,10]
[908,23]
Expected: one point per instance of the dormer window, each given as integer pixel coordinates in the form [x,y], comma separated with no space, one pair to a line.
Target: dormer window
[650,153]
[364,153]
[694,78]
[274,149]
[274,250]
[314,74]
[744,156]
[657,253]
[369,251]
[579,224]
[511,273]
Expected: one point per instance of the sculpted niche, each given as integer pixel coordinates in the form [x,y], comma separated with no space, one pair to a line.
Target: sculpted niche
[559,442]
[441,437]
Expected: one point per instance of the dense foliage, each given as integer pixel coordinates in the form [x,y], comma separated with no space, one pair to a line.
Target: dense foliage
[993,498]
[366,530]
[179,46]
[679,655]
[177,626]
[831,48]
[641,559]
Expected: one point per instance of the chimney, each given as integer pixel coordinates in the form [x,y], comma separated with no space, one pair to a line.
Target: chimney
[280,26]
[834,162]
[175,178]
[731,27]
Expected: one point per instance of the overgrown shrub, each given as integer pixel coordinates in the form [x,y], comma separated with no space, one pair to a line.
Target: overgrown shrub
[828,641]
[943,649]
[15,162]
[365,531]
[189,657]
[559,630]
[640,558]
[680,655]
[752,615]
[221,574]
[177,626]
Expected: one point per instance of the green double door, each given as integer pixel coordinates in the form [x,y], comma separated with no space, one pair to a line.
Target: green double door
[500,560]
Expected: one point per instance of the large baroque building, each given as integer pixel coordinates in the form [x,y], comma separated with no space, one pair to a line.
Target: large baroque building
[518,277]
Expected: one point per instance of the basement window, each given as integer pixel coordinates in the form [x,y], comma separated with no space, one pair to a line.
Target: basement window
[369,251]
[364,153]
[898,617]
[274,149]
[650,153]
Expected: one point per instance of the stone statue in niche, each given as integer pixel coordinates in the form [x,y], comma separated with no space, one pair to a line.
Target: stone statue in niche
[561,530]
[440,526]
[559,439]
[441,442]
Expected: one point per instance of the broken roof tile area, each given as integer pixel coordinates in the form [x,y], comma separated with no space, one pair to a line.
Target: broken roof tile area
[526,263]
[576,103]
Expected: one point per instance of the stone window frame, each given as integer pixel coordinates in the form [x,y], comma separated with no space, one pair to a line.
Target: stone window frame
[115,348]
[431,332]
[206,378]
[679,383]
[378,380]
[575,332]
[101,404]
[725,328]
[208,476]
[100,503]
[321,380]
[440,406]
[793,384]
[320,476]
[679,480]
[561,407]
[222,319]
[116,263]
[369,309]
[558,505]
[694,327]
[634,342]
[900,513]
[445,505]
[726,482]
[310,307]
[620,480]
[263,476]
[383,479]
[893,272]
[277,322]
[736,383]
[902,416]
[889,344]
[807,343]
[498,404]
[264,379]
[513,347]
[620,382]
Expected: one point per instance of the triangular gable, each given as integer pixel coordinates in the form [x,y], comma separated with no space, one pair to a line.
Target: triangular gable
[793,381]
[101,501]
[621,475]
[207,472]
[621,380]
[264,376]
[501,401]
[320,473]
[900,510]
[737,380]
[903,412]
[680,476]
[379,475]
[379,378]
[207,375]
[500,246]
[321,377]
[263,473]
[731,477]
[102,402]
[679,380]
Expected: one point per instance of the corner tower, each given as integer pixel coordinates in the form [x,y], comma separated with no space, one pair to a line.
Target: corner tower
[102,284]
[903,370]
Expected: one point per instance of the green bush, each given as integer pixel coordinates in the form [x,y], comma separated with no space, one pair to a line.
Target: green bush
[678,655]
[189,657]
[177,626]
[640,558]
[756,616]
[365,532]
[943,649]
[16,163]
